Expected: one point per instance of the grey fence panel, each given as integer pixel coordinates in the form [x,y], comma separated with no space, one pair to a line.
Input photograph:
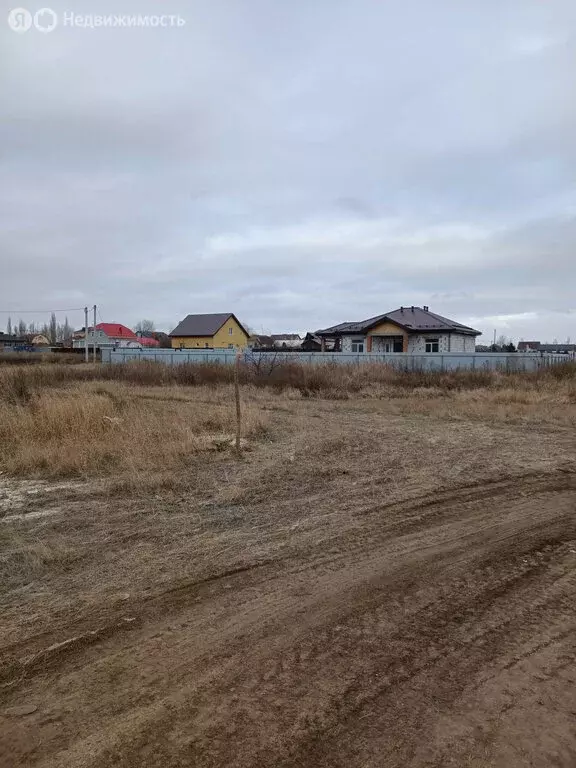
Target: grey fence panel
[447,361]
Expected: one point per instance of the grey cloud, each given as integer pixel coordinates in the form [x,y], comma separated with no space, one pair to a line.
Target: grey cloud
[298,163]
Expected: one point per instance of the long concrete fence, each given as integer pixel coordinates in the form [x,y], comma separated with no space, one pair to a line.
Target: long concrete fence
[447,361]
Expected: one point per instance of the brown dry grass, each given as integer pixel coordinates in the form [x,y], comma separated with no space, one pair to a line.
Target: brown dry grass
[40,358]
[23,559]
[328,380]
[145,419]
[115,429]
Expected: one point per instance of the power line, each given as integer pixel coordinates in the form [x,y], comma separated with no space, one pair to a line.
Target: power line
[38,311]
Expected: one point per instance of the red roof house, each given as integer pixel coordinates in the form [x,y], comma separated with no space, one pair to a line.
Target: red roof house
[147,341]
[116,331]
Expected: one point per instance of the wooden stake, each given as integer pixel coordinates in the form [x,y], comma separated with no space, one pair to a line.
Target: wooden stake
[238,411]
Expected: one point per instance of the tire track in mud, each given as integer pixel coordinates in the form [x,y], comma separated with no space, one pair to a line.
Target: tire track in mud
[359,665]
[432,650]
[408,516]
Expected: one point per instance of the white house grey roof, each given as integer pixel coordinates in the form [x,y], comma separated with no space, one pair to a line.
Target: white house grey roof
[413,319]
[203,325]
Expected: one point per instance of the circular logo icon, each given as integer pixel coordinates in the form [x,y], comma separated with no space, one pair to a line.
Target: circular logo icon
[19,20]
[45,20]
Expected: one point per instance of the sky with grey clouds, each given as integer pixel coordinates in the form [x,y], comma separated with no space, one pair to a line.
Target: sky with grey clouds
[300,164]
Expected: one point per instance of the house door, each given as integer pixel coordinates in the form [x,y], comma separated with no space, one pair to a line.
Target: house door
[391,345]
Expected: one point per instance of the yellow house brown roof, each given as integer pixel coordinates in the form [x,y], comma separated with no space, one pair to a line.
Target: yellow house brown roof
[204,325]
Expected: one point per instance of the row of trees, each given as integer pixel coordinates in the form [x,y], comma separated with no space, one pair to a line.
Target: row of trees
[54,331]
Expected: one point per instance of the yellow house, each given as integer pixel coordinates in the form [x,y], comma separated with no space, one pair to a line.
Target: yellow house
[215,331]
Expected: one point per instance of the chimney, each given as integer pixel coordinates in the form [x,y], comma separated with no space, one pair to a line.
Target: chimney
[425,309]
[412,307]
[401,309]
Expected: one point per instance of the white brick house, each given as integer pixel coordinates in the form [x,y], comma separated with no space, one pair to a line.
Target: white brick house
[414,330]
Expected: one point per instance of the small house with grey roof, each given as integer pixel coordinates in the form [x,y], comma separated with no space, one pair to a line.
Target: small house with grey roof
[414,330]
[214,331]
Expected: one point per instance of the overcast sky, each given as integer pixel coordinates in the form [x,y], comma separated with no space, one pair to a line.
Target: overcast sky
[298,163]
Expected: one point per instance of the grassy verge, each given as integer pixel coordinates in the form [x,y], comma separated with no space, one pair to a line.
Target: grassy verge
[17,383]
[146,418]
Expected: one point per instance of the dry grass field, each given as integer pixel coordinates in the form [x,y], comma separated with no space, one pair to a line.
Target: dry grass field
[385,577]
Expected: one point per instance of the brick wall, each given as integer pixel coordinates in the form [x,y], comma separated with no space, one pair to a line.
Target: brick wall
[347,342]
[417,342]
[463,343]
[455,342]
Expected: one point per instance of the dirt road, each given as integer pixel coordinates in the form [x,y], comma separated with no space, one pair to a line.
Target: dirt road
[436,632]
[346,597]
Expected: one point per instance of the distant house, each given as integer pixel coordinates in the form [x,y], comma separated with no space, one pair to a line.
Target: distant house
[414,330]
[147,341]
[154,339]
[261,341]
[528,346]
[8,341]
[311,343]
[117,332]
[286,340]
[549,349]
[214,331]
[38,340]
[106,336]
[162,338]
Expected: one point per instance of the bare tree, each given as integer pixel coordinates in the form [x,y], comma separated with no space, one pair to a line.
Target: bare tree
[53,329]
[263,364]
[9,326]
[67,332]
[144,326]
[21,328]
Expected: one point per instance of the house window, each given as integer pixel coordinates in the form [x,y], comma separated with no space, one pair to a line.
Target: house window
[206,345]
[357,345]
[432,345]
[230,346]
[230,331]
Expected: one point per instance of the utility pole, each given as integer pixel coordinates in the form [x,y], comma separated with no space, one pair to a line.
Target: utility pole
[94,332]
[85,334]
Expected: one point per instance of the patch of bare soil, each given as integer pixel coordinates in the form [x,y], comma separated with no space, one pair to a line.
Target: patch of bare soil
[369,589]
[17,495]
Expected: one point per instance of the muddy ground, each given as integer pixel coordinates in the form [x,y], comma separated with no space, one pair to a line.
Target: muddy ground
[367,587]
